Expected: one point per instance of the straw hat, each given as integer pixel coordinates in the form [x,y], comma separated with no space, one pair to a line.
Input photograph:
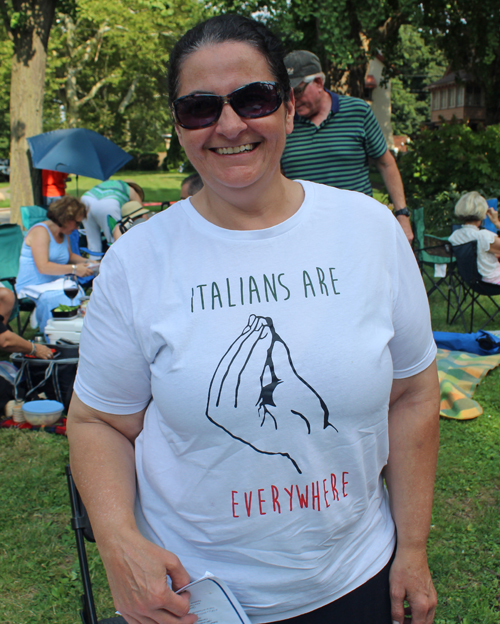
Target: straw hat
[133,209]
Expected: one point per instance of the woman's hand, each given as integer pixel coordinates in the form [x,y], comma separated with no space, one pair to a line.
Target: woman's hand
[410,580]
[83,270]
[493,215]
[137,573]
[43,352]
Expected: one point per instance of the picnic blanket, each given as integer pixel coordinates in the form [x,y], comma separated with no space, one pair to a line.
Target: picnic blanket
[459,375]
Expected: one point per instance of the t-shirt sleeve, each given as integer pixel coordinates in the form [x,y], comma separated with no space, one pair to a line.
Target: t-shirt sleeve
[485,238]
[376,145]
[113,371]
[412,347]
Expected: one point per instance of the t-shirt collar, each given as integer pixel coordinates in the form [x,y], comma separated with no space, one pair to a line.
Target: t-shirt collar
[334,109]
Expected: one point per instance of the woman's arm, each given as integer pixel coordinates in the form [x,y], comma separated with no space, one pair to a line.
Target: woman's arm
[409,474]
[12,343]
[39,241]
[495,245]
[103,466]
[116,232]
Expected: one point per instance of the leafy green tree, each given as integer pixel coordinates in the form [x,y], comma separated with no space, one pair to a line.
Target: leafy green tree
[5,71]
[345,34]
[415,63]
[107,65]
[28,24]
[444,162]
[468,31]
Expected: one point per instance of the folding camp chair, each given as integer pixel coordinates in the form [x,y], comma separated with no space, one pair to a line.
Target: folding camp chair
[431,251]
[11,241]
[80,523]
[31,215]
[472,286]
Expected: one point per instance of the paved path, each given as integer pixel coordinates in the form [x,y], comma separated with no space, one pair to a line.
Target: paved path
[4,215]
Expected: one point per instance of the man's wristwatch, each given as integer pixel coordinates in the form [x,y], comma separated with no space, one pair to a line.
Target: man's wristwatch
[404,212]
[73,266]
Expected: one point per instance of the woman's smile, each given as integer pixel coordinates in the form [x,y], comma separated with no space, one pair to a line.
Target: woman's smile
[235,152]
[237,149]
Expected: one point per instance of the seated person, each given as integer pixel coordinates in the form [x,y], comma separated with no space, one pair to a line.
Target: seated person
[46,257]
[103,201]
[471,209]
[132,213]
[11,342]
[191,185]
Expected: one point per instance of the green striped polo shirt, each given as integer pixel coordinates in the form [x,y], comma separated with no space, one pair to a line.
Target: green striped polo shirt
[114,189]
[335,152]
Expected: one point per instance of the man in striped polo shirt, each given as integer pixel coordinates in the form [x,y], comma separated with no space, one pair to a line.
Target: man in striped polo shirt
[334,137]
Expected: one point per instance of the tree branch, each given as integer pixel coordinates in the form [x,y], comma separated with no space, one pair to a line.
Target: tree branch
[93,92]
[128,98]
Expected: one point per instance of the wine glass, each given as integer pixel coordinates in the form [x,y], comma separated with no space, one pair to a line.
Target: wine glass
[70,286]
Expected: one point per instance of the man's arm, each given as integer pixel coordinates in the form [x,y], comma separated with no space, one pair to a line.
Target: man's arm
[394,185]
[409,474]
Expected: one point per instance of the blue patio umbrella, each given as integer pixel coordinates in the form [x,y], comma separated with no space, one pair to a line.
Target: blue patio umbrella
[78,151]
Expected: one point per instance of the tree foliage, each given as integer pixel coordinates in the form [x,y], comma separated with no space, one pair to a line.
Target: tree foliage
[415,63]
[107,64]
[5,70]
[468,31]
[444,162]
[345,34]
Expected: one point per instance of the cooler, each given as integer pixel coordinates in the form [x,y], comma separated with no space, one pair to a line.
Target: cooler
[66,328]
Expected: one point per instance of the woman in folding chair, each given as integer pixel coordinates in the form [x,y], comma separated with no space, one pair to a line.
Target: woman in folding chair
[46,256]
[472,209]
[248,377]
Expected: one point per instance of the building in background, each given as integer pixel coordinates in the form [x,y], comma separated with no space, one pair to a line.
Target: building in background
[457,95]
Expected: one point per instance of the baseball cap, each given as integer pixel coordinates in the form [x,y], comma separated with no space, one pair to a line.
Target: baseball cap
[300,64]
[133,208]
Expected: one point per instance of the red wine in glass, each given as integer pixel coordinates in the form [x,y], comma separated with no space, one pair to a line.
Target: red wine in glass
[70,288]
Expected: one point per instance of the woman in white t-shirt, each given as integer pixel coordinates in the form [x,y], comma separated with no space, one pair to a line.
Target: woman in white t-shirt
[472,209]
[248,377]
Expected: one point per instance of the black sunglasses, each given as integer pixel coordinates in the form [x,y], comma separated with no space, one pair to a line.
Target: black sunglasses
[252,101]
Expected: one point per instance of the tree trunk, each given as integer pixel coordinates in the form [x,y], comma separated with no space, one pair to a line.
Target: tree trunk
[26,101]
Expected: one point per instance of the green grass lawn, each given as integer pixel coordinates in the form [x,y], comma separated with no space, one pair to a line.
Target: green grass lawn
[39,575]
[158,186]
[4,203]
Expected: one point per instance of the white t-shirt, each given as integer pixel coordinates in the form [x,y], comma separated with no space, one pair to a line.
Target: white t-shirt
[265,359]
[487,263]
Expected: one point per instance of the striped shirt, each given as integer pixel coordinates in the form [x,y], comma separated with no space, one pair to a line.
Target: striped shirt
[114,189]
[335,152]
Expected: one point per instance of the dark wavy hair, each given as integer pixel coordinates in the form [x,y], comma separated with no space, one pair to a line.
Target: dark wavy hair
[224,28]
[66,209]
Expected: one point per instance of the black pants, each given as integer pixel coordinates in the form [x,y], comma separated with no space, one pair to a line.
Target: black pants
[368,604]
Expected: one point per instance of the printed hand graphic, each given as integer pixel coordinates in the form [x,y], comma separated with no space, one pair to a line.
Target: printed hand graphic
[258,398]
